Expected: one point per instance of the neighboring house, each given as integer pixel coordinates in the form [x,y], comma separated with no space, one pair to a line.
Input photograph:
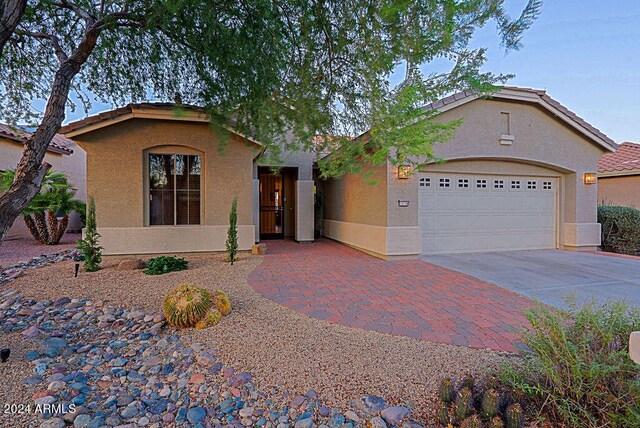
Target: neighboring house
[515,178]
[163,182]
[619,176]
[63,154]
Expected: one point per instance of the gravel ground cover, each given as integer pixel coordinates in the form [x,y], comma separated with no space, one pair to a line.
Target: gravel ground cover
[13,251]
[287,353]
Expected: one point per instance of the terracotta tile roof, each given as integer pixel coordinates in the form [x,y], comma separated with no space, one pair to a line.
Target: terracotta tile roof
[60,144]
[626,158]
[121,111]
[543,96]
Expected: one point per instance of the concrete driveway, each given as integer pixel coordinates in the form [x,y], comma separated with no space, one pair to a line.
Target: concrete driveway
[552,276]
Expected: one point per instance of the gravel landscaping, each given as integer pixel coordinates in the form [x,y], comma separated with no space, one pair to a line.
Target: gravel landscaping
[17,250]
[287,353]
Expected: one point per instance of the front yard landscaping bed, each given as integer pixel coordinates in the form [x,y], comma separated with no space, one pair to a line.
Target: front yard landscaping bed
[312,367]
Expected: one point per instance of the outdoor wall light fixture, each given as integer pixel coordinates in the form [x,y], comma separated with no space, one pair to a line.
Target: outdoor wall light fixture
[590,178]
[404,172]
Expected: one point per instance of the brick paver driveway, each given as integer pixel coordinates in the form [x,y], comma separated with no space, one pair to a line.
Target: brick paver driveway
[329,281]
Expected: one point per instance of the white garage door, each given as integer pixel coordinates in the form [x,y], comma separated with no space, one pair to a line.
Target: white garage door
[462,213]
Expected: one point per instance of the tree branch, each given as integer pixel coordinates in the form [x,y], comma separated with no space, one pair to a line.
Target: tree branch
[89,19]
[55,42]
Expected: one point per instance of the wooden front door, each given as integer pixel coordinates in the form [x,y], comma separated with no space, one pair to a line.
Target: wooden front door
[271,206]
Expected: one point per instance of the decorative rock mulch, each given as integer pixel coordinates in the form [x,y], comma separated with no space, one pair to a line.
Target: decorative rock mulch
[117,367]
[10,273]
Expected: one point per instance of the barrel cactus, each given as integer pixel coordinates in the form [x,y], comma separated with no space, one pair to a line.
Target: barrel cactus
[468,382]
[443,415]
[186,304]
[496,422]
[447,391]
[464,403]
[490,403]
[212,317]
[514,416]
[221,301]
[471,422]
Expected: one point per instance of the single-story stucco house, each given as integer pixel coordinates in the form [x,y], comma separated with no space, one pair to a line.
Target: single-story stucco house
[63,155]
[519,174]
[619,176]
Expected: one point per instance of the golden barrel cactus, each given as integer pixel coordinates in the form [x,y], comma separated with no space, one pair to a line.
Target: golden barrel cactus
[186,304]
[221,301]
[212,317]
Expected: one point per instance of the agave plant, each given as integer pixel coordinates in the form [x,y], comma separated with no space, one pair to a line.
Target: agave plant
[47,215]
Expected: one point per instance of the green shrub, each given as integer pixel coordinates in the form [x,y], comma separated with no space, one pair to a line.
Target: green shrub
[620,229]
[578,371]
[232,233]
[90,250]
[165,264]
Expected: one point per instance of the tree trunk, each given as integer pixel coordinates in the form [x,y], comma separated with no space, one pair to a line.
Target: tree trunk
[31,170]
[41,227]
[11,12]
[52,225]
[31,225]
[62,227]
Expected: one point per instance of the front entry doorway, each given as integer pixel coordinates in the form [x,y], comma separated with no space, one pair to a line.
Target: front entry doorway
[277,202]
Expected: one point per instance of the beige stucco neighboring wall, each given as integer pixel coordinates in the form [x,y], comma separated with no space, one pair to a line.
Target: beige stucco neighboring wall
[622,190]
[116,178]
[73,165]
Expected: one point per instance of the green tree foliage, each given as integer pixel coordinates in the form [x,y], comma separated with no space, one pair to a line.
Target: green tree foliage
[232,232]
[47,215]
[89,247]
[270,68]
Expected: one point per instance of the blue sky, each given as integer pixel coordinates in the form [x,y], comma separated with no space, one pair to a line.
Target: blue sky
[585,53]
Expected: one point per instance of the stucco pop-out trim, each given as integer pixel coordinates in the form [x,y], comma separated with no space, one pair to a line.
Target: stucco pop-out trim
[581,236]
[380,241]
[171,239]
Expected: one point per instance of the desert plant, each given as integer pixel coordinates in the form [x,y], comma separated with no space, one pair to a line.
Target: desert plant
[514,416]
[464,404]
[472,421]
[620,229]
[55,199]
[490,403]
[212,317]
[578,371]
[468,382]
[443,415]
[221,302]
[186,305]
[447,390]
[232,233]
[89,248]
[496,422]
[165,264]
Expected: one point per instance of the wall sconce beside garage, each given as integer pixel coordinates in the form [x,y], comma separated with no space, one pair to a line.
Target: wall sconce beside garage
[404,172]
[590,178]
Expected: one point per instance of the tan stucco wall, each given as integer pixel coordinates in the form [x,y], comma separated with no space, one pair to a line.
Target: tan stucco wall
[541,145]
[116,176]
[73,165]
[357,198]
[624,190]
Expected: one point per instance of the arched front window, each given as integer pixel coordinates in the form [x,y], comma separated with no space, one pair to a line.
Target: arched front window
[174,189]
